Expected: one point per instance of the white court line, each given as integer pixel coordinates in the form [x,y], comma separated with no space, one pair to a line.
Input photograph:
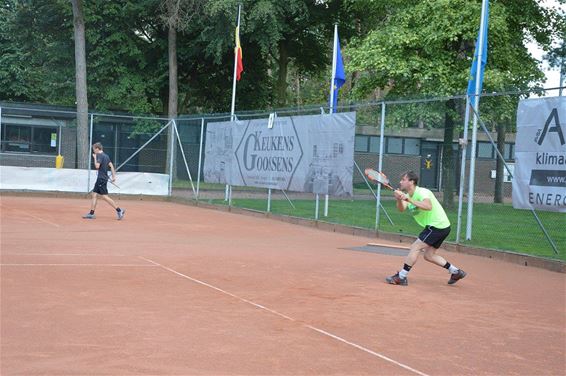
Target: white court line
[128,265]
[290,319]
[366,350]
[218,289]
[59,254]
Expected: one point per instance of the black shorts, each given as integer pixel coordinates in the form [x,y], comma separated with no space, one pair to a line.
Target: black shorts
[434,236]
[100,186]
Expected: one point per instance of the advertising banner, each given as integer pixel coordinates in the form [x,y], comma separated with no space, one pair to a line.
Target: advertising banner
[312,153]
[540,155]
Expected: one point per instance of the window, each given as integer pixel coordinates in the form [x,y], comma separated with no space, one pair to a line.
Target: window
[16,139]
[361,144]
[485,150]
[394,145]
[374,144]
[41,140]
[412,146]
[509,153]
[26,139]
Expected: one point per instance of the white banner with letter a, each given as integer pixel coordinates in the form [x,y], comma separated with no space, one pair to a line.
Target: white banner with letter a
[540,155]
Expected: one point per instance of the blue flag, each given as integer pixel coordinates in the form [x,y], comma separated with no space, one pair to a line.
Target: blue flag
[338,75]
[473,72]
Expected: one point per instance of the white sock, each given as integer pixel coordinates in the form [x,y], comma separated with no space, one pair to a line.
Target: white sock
[452,269]
[403,273]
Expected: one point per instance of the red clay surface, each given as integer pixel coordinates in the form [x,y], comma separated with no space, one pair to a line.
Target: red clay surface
[181,290]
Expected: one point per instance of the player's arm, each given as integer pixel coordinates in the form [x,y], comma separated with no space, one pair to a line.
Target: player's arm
[96,164]
[113,171]
[424,204]
[401,202]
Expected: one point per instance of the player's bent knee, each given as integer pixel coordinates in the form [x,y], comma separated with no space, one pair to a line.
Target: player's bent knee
[418,246]
[429,254]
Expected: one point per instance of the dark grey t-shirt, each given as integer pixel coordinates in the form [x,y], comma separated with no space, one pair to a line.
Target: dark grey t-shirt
[104,160]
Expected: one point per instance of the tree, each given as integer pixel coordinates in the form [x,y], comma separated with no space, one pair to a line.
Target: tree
[83,147]
[557,55]
[127,52]
[499,174]
[36,50]
[177,15]
[297,32]
[13,76]
[123,62]
[425,48]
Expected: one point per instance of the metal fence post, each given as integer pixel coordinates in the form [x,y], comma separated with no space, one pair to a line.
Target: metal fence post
[472,177]
[171,146]
[1,148]
[463,169]
[380,163]
[90,145]
[200,155]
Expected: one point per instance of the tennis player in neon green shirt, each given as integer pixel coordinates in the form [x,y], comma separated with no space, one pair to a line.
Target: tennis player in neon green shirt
[427,211]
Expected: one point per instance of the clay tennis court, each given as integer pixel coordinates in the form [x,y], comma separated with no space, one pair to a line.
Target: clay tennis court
[182,290]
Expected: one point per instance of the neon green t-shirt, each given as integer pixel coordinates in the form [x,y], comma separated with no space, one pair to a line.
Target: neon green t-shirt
[435,217]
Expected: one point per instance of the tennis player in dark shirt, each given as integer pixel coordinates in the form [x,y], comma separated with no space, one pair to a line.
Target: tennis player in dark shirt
[102,163]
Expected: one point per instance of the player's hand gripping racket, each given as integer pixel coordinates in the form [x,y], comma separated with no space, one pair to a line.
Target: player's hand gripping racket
[378,177]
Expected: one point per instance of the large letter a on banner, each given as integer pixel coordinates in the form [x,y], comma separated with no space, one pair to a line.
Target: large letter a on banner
[556,128]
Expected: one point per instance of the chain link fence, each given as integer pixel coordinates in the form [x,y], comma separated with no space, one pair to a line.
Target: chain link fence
[394,136]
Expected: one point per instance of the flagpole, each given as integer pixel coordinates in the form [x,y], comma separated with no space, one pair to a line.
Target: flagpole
[228,190]
[332,78]
[463,169]
[475,124]
[333,74]
[232,110]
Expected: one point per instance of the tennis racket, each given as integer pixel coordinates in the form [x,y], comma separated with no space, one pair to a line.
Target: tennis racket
[378,177]
[109,180]
[114,184]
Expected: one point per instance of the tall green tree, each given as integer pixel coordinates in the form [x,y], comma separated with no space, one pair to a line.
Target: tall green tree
[13,74]
[83,148]
[176,16]
[127,52]
[37,51]
[123,62]
[425,47]
[294,32]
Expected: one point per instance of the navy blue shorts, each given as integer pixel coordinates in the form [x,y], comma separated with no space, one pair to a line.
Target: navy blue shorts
[100,186]
[434,236]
